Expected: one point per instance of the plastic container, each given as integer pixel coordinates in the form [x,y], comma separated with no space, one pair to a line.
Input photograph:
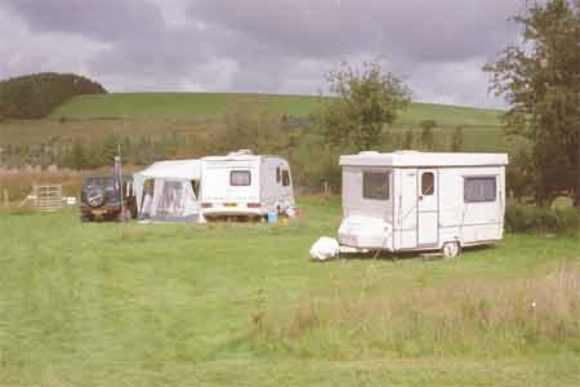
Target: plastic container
[272,217]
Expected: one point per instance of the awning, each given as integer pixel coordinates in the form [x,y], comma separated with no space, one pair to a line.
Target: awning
[165,175]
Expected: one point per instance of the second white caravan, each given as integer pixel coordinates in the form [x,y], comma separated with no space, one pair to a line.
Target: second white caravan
[415,201]
[245,184]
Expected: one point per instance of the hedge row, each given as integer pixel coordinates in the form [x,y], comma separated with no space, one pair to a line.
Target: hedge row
[526,218]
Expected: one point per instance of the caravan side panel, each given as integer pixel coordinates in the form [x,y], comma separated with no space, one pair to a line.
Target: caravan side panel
[276,192]
[471,211]
[268,188]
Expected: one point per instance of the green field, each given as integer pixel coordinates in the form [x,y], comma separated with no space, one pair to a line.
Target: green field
[192,114]
[211,105]
[241,304]
[173,105]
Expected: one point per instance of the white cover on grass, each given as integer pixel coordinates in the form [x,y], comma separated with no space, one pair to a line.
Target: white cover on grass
[325,248]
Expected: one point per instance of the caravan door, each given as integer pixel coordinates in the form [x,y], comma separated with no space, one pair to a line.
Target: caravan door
[427,208]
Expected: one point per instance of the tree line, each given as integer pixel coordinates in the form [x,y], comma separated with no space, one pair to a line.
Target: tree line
[35,96]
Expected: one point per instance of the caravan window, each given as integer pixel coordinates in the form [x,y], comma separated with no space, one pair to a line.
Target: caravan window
[427,183]
[278,174]
[376,185]
[285,178]
[479,189]
[240,178]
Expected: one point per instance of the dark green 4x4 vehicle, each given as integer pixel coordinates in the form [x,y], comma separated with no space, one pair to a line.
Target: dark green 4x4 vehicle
[101,199]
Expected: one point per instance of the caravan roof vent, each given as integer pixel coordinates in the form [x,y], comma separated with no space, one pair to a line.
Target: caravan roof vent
[241,152]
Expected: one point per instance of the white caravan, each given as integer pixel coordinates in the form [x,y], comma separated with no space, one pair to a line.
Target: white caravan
[416,201]
[242,183]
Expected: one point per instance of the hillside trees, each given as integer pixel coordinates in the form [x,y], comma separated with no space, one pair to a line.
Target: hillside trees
[457,139]
[367,99]
[255,126]
[540,79]
[35,96]
[427,136]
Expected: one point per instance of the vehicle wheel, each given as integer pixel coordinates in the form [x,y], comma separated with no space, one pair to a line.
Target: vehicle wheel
[451,249]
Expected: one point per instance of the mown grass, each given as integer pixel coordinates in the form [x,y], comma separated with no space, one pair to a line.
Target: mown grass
[241,304]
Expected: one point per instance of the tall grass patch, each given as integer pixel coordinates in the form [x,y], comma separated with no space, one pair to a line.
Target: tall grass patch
[475,318]
[19,184]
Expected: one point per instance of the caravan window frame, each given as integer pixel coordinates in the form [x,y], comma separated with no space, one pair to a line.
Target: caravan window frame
[427,189]
[366,195]
[285,178]
[467,199]
[240,171]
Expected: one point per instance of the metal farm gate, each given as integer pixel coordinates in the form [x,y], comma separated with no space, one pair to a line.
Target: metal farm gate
[48,198]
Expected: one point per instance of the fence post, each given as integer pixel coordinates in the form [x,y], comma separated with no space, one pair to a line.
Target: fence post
[35,193]
[6,198]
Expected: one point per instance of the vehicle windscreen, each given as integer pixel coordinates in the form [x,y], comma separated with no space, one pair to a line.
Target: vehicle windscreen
[100,182]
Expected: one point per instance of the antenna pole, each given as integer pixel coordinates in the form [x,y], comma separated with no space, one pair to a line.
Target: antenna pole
[119,177]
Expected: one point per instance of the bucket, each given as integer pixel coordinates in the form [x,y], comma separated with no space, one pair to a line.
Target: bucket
[272,217]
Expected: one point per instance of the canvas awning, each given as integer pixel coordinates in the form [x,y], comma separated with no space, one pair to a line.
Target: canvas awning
[172,195]
[172,169]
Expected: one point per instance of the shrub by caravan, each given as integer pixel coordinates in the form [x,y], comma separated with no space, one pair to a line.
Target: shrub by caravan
[242,183]
[407,200]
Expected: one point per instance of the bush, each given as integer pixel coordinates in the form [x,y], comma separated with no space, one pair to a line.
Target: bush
[526,218]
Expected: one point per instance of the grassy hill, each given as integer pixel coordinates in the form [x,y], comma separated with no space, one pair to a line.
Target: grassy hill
[212,105]
[134,114]
[173,105]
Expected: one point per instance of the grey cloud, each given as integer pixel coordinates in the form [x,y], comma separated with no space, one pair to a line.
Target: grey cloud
[261,45]
[425,30]
[139,42]
[105,20]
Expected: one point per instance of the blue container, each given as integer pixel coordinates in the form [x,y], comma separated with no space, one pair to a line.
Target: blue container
[272,217]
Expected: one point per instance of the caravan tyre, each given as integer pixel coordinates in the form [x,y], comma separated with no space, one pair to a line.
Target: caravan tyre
[451,249]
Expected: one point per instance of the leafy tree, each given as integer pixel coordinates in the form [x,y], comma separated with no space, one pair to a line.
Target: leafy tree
[77,158]
[409,140]
[520,172]
[109,149]
[367,100]
[457,139]
[253,125]
[427,138]
[540,79]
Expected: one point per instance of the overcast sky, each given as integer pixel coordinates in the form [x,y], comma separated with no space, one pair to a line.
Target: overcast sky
[276,46]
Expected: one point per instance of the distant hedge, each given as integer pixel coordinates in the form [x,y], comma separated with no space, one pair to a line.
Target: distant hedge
[526,218]
[36,95]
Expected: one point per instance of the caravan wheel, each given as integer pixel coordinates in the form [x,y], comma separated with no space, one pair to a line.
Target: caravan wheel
[451,249]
